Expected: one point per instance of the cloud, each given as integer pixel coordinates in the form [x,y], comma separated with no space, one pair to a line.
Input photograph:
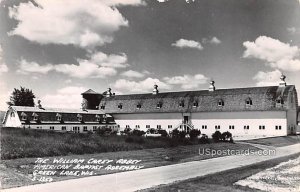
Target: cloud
[291,30]
[3,66]
[275,53]
[187,81]
[183,43]
[215,41]
[113,60]
[85,24]
[146,85]
[267,78]
[67,97]
[134,74]
[26,67]
[4,96]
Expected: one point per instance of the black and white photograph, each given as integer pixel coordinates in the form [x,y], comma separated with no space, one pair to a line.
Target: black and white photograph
[149,95]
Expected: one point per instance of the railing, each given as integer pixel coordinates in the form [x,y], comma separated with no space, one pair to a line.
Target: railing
[184,127]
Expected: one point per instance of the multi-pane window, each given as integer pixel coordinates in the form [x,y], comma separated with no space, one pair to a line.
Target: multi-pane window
[181,104]
[220,102]
[158,126]
[204,126]
[98,118]
[79,117]
[261,127]
[248,102]
[231,126]
[195,104]
[217,127]
[120,106]
[147,126]
[94,128]
[51,127]
[102,107]
[137,126]
[63,128]
[58,117]
[278,127]
[23,116]
[138,106]
[169,126]
[84,128]
[35,116]
[127,126]
[246,126]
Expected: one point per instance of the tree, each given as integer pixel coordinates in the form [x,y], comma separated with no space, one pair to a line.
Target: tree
[22,97]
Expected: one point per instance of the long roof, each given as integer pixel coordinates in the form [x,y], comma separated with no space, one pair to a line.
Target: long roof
[55,110]
[263,98]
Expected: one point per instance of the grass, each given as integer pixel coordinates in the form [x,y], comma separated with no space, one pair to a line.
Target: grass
[277,141]
[221,182]
[20,143]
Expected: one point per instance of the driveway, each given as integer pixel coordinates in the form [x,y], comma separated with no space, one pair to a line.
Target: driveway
[146,178]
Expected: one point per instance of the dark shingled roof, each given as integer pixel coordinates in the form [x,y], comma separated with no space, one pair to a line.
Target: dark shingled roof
[263,98]
[90,91]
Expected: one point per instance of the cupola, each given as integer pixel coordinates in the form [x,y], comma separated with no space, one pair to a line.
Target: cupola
[282,81]
[155,90]
[108,93]
[212,86]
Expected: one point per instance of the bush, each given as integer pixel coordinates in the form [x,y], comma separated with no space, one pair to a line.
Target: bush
[104,131]
[135,139]
[151,130]
[162,132]
[226,136]
[194,133]
[127,130]
[203,139]
[178,134]
[136,132]
[217,136]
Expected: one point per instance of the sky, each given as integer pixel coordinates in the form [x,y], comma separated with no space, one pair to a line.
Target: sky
[59,49]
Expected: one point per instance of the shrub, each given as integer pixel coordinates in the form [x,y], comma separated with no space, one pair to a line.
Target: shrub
[135,139]
[104,131]
[151,130]
[203,139]
[162,132]
[227,136]
[127,131]
[137,132]
[194,133]
[217,136]
[178,134]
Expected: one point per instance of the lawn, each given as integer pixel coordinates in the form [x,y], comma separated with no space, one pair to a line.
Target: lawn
[277,141]
[19,171]
[223,181]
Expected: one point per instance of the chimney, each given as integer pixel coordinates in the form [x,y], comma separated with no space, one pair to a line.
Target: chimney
[282,82]
[212,86]
[155,90]
[108,93]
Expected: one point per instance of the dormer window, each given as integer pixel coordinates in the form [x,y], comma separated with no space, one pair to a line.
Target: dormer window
[79,117]
[102,107]
[98,118]
[220,103]
[23,116]
[181,104]
[248,101]
[120,106]
[58,117]
[195,104]
[104,118]
[35,116]
[159,105]
[279,101]
[138,106]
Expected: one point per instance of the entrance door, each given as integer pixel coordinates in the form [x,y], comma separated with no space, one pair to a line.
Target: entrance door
[185,122]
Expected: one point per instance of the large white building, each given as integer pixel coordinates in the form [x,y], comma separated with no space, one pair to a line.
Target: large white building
[245,112]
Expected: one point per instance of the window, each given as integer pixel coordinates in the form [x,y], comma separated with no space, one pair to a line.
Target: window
[246,126]
[104,118]
[84,128]
[138,106]
[248,101]
[120,106]
[220,103]
[23,116]
[195,104]
[137,126]
[12,114]
[181,104]
[35,116]
[261,127]
[147,126]
[94,128]
[127,126]
[279,101]
[63,128]
[58,117]
[169,126]
[278,127]
[158,126]
[231,126]
[79,117]
[217,127]
[102,107]
[204,126]
[51,127]
[159,105]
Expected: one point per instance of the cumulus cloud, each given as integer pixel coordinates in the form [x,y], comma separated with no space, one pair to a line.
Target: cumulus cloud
[4,96]
[213,40]
[184,43]
[275,53]
[3,66]
[291,30]
[86,23]
[113,60]
[134,74]
[187,81]
[67,97]
[26,67]
[267,78]
[146,85]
